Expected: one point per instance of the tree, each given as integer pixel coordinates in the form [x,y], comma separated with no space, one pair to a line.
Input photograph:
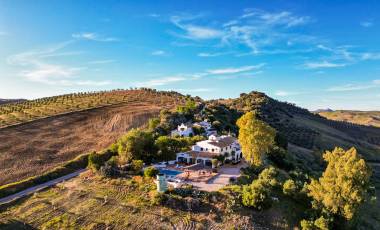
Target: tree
[343,185]
[94,161]
[214,163]
[137,145]
[168,147]
[255,137]
[289,187]
[150,171]
[153,123]
[258,194]
[137,165]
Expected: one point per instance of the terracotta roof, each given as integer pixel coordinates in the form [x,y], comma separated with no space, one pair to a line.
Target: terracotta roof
[223,142]
[195,154]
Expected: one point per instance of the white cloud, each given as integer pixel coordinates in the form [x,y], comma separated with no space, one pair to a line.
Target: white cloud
[232,70]
[195,32]
[355,87]
[34,67]
[323,64]
[154,15]
[212,54]
[159,53]
[366,24]
[257,30]
[160,81]
[93,37]
[102,61]
[281,93]
[370,56]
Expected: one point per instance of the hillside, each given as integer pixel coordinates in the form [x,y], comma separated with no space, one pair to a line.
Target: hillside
[37,146]
[369,118]
[130,202]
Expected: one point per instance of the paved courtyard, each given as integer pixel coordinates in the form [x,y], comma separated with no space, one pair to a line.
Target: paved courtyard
[222,179]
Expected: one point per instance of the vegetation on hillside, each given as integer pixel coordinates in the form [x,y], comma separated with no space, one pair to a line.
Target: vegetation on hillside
[280,187]
[369,118]
[23,111]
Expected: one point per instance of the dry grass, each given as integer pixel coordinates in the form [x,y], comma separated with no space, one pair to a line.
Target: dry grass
[90,202]
[38,146]
[357,117]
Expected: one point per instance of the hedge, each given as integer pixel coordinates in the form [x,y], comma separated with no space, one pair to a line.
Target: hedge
[80,162]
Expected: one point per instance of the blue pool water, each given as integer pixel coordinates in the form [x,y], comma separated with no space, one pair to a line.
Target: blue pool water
[170,172]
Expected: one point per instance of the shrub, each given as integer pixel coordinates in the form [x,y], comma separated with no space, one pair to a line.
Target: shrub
[321,223]
[137,165]
[256,195]
[106,170]
[94,161]
[150,171]
[289,187]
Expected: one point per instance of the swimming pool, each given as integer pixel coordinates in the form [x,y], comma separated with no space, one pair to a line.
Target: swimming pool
[170,172]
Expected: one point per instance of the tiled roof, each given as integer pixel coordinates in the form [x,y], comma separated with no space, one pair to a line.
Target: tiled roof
[223,142]
[195,154]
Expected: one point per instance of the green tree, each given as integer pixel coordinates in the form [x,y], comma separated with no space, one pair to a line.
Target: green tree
[343,185]
[255,137]
[168,147]
[150,171]
[137,144]
[153,123]
[258,194]
[94,161]
[137,165]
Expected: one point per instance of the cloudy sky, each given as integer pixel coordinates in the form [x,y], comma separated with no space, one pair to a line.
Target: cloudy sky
[317,54]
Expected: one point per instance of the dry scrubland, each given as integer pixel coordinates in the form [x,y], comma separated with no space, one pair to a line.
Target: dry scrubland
[90,202]
[357,117]
[38,146]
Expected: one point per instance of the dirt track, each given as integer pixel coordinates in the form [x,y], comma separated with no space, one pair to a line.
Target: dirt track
[33,148]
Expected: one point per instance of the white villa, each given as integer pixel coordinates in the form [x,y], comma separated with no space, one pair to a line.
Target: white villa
[207,127]
[183,131]
[204,151]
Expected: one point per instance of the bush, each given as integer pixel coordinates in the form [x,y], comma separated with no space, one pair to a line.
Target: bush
[319,224]
[258,194]
[289,187]
[150,171]
[94,161]
[137,165]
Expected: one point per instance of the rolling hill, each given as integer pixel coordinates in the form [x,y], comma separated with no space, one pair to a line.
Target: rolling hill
[51,131]
[38,144]
[369,118]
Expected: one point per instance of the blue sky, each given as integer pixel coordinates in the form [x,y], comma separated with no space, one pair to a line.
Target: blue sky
[317,54]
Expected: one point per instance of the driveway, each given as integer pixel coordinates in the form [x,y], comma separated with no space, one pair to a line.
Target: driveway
[222,179]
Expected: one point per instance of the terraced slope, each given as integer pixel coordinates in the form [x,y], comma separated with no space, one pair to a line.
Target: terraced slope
[35,147]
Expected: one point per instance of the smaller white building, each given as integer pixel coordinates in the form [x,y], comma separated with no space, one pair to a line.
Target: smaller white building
[183,131]
[209,130]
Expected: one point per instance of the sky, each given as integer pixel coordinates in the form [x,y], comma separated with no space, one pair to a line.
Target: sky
[317,53]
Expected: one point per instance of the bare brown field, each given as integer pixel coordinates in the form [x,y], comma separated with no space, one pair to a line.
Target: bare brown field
[38,146]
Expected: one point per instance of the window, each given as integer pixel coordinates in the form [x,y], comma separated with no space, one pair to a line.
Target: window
[212,150]
[201,149]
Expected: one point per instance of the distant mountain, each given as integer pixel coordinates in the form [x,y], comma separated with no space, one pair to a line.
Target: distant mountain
[323,110]
[7,101]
